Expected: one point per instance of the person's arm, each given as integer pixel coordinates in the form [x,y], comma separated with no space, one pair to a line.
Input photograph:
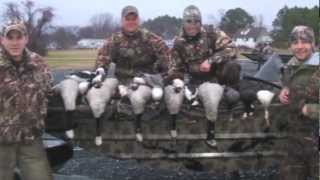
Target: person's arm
[284,95]
[224,50]
[176,66]
[161,52]
[312,108]
[49,79]
[224,47]
[45,74]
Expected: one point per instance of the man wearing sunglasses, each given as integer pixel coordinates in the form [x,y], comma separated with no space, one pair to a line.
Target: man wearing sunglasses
[206,55]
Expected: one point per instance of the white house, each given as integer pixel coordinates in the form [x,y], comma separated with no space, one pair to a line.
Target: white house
[250,36]
[90,43]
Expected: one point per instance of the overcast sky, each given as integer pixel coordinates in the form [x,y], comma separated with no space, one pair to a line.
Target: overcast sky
[78,12]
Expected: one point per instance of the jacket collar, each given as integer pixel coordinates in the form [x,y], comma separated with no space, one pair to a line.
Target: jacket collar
[7,61]
[132,34]
[192,38]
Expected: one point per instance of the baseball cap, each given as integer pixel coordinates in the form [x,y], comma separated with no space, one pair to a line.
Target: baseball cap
[17,25]
[129,10]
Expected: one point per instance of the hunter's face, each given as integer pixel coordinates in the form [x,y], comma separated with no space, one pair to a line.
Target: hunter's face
[301,49]
[130,23]
[14,43]
[192,27]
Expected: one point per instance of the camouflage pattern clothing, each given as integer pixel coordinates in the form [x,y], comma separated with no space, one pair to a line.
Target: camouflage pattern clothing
[23,97]
[189,52]
[312,97]
[302,144]
[141,51]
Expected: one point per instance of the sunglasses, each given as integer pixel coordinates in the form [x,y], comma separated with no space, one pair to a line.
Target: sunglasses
[189,21]
[131,17]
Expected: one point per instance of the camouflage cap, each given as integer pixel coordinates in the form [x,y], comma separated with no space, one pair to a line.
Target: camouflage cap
[191,13]
[129,10]
[17,25]
[303,33]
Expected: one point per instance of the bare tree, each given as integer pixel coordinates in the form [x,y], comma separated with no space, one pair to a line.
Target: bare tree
[37,21]
[64,37]
[12,11]
[102,25]
[258,21]
[213,20]
[86,32]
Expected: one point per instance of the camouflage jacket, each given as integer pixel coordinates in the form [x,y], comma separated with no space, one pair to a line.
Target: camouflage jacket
[303,90]
[188,53]
[23,97]
[142,51]
[312,97]
[313,85]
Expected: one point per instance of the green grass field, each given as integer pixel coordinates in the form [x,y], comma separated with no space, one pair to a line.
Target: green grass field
[85,59]
[71,59]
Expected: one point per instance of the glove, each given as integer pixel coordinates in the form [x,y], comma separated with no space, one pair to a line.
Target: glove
[100,71]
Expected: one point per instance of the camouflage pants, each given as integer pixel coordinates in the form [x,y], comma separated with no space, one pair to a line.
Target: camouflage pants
[31,160]
[302,162]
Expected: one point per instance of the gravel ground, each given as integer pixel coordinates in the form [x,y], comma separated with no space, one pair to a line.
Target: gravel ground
[102,167]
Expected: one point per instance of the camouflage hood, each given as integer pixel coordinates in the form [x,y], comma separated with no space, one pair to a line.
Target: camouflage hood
[191,13]
[192,38]
[302,32]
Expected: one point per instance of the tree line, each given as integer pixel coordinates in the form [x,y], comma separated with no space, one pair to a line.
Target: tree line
[42,32]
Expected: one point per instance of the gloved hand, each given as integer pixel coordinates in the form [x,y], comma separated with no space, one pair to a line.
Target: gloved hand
[100,71]
[171,76]
[205,66]
[99,77]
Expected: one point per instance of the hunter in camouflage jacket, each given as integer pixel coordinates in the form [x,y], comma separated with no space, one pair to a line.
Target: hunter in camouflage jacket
[141,51]
[189,52]
[23,97]
[303,130]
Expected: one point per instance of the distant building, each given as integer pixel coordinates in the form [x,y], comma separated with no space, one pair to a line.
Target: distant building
[250,36]
[90,43]
[52,46]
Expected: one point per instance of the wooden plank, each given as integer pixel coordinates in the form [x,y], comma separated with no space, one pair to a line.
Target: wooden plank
[207,155]
[80,108]
[167,137]
[85,108]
